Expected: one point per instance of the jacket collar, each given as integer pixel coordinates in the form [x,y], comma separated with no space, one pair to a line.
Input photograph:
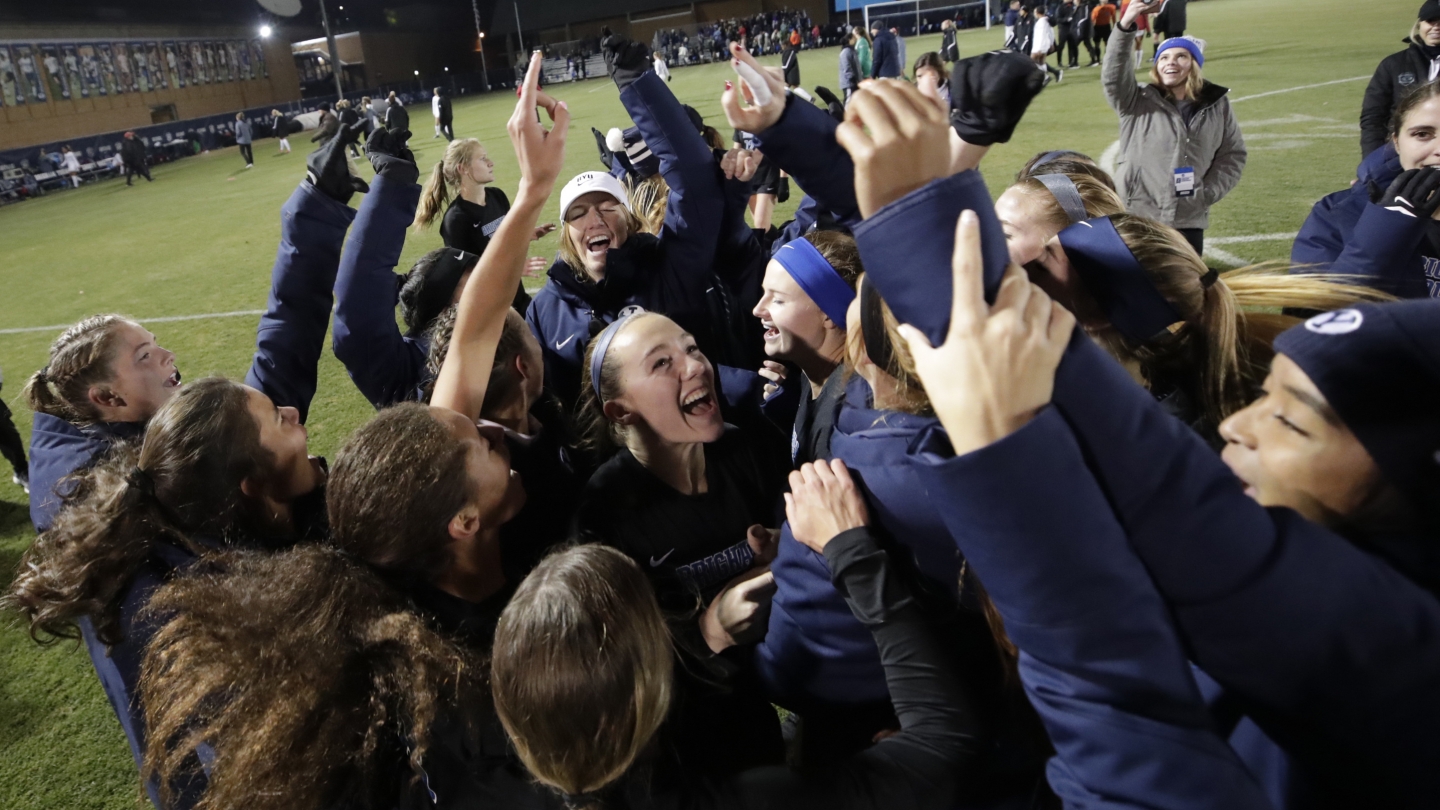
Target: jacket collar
[625,268]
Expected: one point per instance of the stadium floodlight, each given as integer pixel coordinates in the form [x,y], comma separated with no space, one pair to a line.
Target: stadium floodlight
[266,31]
[917,12]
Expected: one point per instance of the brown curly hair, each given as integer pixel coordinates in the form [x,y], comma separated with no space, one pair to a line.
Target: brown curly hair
[314,681]
[182,481]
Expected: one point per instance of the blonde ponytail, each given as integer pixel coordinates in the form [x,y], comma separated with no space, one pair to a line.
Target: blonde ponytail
[444,182]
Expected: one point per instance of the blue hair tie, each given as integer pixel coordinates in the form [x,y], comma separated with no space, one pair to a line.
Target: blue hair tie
[1115,278]
[602,345]
[817,278]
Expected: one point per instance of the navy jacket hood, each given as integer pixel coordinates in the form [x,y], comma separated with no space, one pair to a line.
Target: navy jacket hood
[59,448]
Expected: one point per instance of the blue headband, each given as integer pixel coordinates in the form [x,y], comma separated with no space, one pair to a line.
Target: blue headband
[1114,276]
[602,345]
[1187,43]
[1065,193]
[817,278]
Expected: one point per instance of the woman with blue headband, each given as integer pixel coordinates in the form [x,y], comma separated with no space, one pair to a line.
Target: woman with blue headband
[1180,145]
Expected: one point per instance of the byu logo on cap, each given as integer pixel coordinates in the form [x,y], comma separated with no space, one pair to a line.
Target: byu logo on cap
[1339,322]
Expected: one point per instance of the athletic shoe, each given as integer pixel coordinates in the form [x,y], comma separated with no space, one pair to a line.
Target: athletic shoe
[1060,78]
[249,165]
[23,483]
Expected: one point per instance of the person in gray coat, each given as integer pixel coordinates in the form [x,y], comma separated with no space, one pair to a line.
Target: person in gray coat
[850,74]
[1180,146]
[243,138]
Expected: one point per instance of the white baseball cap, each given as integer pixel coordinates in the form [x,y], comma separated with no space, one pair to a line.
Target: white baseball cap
[586,182]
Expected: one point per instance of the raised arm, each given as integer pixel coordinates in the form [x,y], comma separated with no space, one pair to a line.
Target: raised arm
[385,366]
[291,335]
[1117,71]
[465,374]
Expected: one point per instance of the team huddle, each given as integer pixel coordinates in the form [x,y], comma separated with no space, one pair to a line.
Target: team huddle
[1010,504]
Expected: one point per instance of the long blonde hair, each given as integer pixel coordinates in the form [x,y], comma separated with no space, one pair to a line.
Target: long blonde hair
[649,197]
[1194,83]
[444,182]
[1221,351]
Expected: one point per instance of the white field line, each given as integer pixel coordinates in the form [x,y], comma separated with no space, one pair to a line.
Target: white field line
[166,319]
[1258,237]
[1224,256]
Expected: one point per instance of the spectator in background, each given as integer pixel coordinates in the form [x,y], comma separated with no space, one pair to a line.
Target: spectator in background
[1024,28]
[447,118]
[70,165]
[1180,145]
[1102,19]
[1042,42]
[280,122]
[396,118]
[132,153]
[244,136]
[378,108]
[12,446]
[1142,26]
[1065,34]
[900,49]
[661,69]
[1084,29]
[347,117]
[864,50]
[1397,74]
[932,78]
[850,70]
[1012,18]
[435,111]
[886,58]
[949,48]
[367,114]
[790,66]
[329,124]
[1170,22]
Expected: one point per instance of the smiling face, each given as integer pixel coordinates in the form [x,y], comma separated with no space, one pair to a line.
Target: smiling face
[1290,449]
[796,329]
[496,491]
[1418,141]
[294,473]
[144,377]
[666,384]
[595,223]
[1174,66]
[1430,32]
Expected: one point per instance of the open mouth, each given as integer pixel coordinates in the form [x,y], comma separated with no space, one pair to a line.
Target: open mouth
[771,331]
[173,381]
[597,244]
[700,402]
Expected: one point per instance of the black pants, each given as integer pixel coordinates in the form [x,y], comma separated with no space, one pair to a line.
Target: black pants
[1102,36]
[1067,38]
[133,169]
[1161,36]
[246,153]
[447,129]
[1196,238]
[11,446]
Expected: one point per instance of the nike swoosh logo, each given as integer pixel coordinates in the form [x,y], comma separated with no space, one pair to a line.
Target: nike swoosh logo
[562,344]
[654,563]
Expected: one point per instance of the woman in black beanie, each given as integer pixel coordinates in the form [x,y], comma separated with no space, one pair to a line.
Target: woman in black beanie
[1397,74]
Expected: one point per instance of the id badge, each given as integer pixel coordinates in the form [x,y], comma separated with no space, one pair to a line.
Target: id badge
[1184,182]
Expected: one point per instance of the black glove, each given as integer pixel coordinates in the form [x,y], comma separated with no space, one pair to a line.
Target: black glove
[328,169]
[628,60]
[1415,193]
[391,158]
[605,155]
[989,94]
[833,105]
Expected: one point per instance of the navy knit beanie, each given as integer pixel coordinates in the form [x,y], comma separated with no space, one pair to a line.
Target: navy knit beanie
[1378,365]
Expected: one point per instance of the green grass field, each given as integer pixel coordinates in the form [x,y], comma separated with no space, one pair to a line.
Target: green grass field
[201,240]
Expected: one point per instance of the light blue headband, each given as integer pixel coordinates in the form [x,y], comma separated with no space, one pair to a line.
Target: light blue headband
[602,345]
[817,278]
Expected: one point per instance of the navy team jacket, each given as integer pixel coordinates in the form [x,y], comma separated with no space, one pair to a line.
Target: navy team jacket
[1100,657]
[385,365]
[288,345]
[815,648]
[669,274]
[59,448]
[1346,233]
[1332,651]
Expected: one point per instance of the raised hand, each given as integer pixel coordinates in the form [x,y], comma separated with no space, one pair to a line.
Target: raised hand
[763,91]
[541,154]
[1414,193]
[989,94]
[996,368]
[1138,7]
[390,156]
[823,502]
[898,140]
[328,169]
[542,231]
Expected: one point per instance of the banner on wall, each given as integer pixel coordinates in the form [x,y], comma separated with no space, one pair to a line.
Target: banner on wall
[107,69]
[50,60]
[257,52]
[70,62]
[172,64]
[29,74]
[123,74]
[90,70]
[11,91]
[210,62]
[155,66]
[197,61]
